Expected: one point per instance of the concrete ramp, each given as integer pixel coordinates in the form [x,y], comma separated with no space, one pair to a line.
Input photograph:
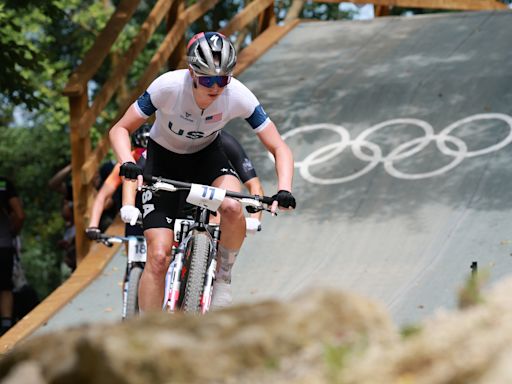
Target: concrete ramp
[401,129]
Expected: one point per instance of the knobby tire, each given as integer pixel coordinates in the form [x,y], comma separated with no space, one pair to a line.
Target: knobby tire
[132,296]
[196,273]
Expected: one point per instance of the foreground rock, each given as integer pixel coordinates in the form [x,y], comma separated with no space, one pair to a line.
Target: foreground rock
[330,338]
[270,342]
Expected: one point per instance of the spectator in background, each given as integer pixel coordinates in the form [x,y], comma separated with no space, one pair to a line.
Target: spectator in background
[12,217]
[61,183]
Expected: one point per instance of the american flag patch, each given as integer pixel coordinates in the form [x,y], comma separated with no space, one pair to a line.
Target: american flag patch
[214,118]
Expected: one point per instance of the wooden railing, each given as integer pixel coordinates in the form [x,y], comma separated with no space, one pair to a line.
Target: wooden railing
[84,114]
[459,5]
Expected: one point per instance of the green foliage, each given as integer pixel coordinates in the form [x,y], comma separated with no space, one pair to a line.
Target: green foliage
[410,330]
[335,359]
[325,11]
[40,43]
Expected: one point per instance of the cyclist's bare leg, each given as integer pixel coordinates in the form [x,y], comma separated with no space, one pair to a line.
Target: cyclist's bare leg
[232,219]
[152,282]
[232,226]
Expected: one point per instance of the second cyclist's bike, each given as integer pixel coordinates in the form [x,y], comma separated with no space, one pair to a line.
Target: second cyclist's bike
[136,260]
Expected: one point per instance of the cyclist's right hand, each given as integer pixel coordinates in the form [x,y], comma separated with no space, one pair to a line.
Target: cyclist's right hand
[93,233]
[130,170]
[130,214]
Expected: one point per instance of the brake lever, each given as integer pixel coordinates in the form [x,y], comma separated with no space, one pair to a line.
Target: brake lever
[105,242]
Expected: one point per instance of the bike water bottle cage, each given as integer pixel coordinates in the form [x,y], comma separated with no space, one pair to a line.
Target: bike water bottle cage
[209,81]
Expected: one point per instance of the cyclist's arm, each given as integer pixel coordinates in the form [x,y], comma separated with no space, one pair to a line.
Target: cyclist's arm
[120,134]
[129,192]
[104,194]
[273,141]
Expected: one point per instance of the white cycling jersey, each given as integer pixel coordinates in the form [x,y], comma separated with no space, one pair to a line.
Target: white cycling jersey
[181,126]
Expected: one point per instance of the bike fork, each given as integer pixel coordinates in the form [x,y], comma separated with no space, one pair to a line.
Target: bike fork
[125,290]
[172,282]
[206,299]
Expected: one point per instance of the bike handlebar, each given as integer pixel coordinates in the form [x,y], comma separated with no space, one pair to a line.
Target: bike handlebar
[109,240]
[183,185]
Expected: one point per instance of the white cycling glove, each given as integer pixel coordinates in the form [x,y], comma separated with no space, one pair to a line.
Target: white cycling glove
[252,225]
[130,214]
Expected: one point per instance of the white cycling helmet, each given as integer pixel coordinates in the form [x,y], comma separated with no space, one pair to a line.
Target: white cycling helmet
[211,54]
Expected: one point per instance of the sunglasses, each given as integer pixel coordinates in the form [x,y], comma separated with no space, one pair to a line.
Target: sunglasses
[208,81]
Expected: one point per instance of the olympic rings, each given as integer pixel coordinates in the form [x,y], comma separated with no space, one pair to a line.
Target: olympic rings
[458,150]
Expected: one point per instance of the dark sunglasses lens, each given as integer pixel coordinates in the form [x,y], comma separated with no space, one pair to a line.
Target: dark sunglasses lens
[222,81]
[208,81]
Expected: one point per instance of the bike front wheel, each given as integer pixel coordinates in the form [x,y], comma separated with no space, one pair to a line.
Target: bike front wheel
[197,266]
[132,294]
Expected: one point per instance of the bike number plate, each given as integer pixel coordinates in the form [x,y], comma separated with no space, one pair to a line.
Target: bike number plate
[136,250]
[206,196]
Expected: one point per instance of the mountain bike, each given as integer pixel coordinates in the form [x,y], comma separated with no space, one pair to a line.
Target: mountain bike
[136,260]
[190,277]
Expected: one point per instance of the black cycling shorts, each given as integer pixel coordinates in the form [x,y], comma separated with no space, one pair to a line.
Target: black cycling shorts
[159,209]
[133,230]
[6,265]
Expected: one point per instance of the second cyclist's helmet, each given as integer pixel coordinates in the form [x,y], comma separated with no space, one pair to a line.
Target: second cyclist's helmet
[140,136]
[211,54]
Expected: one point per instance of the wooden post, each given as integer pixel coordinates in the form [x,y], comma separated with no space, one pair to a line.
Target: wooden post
[381,10]
[266,19]
[80,151]
[177,9]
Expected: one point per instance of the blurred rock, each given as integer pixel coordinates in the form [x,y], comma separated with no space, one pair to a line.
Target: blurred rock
[268,342]
[322,337]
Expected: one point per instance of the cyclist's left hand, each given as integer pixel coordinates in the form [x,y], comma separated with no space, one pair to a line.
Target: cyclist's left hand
[93,233]
[283,199]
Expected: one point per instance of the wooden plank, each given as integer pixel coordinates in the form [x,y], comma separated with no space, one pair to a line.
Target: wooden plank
[80,150]
[92,164]
[101,47]
[85,273]
[119,73]
[266,19]
[294,10]
[245,17]
[261,44]
[461,5]
[197,10]
[174,13]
